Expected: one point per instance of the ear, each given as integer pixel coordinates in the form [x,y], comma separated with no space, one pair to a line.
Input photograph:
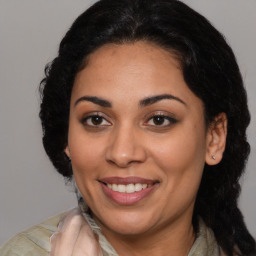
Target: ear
[216,139]
[67,152]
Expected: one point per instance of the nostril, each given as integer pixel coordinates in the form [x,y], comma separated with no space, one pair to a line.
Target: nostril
[121,164]
[123,152]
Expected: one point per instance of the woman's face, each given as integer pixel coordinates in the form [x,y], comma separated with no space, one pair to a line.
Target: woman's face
[137,139]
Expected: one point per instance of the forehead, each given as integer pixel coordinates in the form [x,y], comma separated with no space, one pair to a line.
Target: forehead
[134,54]
[134,70]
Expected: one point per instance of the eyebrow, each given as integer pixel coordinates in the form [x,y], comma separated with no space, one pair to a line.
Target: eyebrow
[151,100]
[95,100]
[143,103]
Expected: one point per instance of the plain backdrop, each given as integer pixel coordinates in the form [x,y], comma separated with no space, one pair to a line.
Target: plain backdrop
[30,31]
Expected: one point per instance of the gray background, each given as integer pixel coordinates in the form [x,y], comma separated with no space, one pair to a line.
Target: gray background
[30,31]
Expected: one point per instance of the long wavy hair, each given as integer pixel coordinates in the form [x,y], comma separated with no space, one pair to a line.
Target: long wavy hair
[210,71]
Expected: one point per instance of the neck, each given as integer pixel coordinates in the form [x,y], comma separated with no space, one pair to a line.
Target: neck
[172,239]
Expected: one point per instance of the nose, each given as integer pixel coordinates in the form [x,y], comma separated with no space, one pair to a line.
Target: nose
[125,148]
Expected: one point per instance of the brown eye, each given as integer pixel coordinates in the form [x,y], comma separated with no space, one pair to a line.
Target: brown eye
[158,120]
[95,120]
[161,121]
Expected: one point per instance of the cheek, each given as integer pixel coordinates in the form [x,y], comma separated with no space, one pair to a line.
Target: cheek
[182,157]
[86,154]
[86,158]
[181,161]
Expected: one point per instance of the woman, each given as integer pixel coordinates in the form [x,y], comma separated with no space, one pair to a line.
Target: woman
[144,109]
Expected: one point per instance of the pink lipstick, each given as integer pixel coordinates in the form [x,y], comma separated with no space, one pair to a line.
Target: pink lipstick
[128,190]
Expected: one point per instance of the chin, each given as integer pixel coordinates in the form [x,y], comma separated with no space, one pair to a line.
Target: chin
[126,223]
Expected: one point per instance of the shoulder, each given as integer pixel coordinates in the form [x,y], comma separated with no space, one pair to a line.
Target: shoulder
[33,241]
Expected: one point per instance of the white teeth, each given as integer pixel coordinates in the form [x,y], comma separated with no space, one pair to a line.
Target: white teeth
[114,187]
[138,187]
[130,188]
[121,188]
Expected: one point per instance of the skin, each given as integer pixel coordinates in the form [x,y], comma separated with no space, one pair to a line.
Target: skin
[129,140]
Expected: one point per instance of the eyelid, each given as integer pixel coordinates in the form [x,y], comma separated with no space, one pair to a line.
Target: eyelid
[93,114]
[170,117]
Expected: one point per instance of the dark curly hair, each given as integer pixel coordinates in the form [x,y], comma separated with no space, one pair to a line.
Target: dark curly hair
[210,71]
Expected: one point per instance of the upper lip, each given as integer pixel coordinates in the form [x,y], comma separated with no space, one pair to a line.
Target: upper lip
[127,180]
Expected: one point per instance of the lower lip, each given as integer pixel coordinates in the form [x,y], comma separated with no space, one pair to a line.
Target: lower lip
[127,198]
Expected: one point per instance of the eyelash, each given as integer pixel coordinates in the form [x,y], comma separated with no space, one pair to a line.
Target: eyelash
[165,118]
[87,121]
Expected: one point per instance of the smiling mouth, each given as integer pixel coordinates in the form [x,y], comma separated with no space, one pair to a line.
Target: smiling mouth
[127,190]
[130,188]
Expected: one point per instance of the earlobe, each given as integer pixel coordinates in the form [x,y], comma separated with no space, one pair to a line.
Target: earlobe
[67,152]
[216,139]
